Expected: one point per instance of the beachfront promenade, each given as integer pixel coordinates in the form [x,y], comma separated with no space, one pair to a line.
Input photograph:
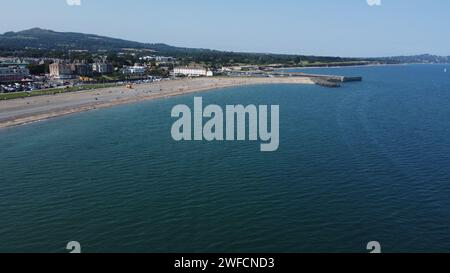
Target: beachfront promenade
[31,109]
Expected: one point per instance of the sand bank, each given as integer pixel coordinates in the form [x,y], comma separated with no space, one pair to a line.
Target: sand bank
[22,111]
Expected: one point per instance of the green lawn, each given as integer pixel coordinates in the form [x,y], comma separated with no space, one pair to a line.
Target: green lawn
[53,91]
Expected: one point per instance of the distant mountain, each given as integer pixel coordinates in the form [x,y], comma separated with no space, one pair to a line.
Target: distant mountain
[46,41]
[424,58]
[37,38]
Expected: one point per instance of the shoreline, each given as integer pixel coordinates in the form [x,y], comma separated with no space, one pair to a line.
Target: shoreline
[23,111]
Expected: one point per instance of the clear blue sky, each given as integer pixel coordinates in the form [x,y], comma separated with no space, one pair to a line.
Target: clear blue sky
[318,27]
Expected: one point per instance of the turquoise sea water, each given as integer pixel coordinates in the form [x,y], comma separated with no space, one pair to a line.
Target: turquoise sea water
[369,161]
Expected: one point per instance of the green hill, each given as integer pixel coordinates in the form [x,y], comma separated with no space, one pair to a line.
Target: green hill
[43,39]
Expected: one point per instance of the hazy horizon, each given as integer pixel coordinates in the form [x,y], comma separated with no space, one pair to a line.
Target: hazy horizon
[354,28]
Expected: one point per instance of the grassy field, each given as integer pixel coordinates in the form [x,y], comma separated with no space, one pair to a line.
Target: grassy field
[53,91]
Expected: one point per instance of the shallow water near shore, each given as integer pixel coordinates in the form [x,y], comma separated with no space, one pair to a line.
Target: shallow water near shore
[368,161]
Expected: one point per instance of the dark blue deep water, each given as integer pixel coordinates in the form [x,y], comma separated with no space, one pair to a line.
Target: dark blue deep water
[369,161]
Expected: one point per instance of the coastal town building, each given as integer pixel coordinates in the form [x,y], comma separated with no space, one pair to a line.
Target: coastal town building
[13,73]
[158,59]
[60,70]
[192,71]
[81,69]
[103,68]
[22,62]
[136,69]
[231,68]
[13,70]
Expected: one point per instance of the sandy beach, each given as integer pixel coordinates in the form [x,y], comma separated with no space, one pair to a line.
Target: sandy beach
[22,111]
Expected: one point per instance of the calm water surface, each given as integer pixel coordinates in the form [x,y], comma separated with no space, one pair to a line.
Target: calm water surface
[369,161]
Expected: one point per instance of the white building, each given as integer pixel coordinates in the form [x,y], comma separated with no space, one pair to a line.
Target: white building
[60,71]
[134,70]
[192,71]
[231,68]
[159,59]
[102,68]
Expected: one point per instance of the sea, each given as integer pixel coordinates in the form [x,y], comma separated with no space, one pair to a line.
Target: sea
[369,161]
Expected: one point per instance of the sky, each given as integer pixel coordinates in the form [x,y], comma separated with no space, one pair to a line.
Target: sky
[351,28]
